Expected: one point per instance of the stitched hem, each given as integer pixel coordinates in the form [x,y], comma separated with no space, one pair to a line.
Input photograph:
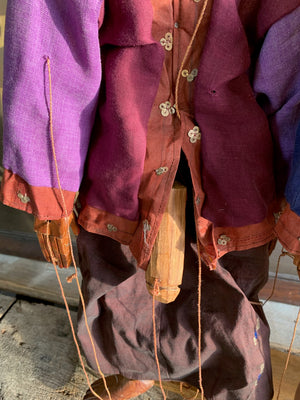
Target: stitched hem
[215,242]
[43,202]
[106,224]
[288,230]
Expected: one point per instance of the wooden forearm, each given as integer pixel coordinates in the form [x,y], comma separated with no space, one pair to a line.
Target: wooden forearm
[167,259]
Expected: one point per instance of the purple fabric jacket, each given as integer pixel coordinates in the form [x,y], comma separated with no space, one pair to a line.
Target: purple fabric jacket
[247,103]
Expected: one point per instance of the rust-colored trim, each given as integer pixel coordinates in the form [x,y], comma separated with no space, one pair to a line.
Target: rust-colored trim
[43,202]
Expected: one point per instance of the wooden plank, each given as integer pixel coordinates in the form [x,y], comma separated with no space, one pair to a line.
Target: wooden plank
[22,244]
[35,279]
[38,280]
[286,266]
[6,301]
[292,379]
[281,318]
[286,291]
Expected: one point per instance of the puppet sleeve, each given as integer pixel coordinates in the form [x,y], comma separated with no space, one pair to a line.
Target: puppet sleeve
[288,226]
[65,33]
[277,86]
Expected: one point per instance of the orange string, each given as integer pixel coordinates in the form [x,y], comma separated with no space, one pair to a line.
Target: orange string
[72,253]
[186,56]
[256,303]
[194,398]
[68,312]
[199,321]
[283,253]
[186,398]
[289,355]
[155,292]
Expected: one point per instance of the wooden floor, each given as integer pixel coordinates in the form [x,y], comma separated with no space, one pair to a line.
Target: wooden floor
[292,379]
[39,361]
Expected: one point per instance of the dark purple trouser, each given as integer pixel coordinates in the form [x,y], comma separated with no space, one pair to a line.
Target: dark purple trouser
[235,334]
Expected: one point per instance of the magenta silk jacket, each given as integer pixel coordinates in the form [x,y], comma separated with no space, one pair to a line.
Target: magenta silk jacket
[106,65]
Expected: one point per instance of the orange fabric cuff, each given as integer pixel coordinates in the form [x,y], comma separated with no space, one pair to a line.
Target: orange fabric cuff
[43,202]
[288,231]
[106,224]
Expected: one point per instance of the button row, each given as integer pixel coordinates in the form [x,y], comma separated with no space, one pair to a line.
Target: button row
[222,241]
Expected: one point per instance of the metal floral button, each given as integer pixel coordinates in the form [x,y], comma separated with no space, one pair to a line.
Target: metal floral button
[23,197]
[194,134]
[166,109]
[161,170]
[190,76]
[112,228]
[223,240]
[167,41]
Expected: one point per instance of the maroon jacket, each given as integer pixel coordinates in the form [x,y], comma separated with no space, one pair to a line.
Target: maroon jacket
[235,121]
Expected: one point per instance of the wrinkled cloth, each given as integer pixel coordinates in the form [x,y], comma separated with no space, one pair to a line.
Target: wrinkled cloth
[235,335]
